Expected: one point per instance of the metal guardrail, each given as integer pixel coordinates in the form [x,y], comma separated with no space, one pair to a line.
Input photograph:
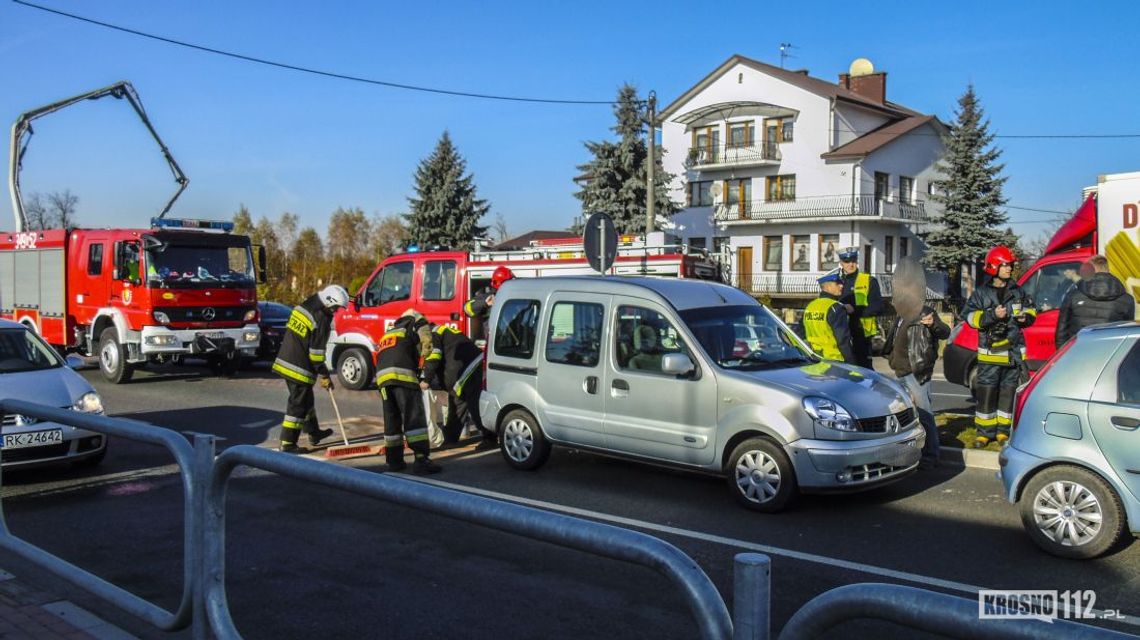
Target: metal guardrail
[205,608]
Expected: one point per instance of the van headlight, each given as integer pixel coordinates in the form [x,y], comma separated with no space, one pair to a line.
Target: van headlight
[830,414]
[88,403]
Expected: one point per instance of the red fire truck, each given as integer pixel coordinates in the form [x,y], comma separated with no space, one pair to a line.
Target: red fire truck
[438,283]
[130,296]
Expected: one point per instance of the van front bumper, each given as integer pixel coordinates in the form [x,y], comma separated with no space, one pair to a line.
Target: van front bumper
[156,340]
[853,465]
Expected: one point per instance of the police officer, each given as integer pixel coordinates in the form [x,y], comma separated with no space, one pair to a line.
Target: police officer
[301,360]
[462,363]
[999,310]
[863,300]
[479,307]
[825,321]
[398,377]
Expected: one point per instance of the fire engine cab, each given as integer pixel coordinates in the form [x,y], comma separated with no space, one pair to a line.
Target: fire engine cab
[439,283]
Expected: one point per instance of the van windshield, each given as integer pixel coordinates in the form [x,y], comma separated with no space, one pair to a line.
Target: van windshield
[746,337]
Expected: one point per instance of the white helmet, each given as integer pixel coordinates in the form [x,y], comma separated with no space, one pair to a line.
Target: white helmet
[334,295]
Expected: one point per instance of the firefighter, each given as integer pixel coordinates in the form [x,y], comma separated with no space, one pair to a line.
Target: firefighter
[479,306]
[462,364]
[301,361]
[825,321]
[999,310]
[863,300]
[398,376]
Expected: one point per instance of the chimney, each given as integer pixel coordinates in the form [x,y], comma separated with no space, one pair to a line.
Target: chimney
[865,81]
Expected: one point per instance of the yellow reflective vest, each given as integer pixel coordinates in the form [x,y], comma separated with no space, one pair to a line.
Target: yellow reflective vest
[819,333]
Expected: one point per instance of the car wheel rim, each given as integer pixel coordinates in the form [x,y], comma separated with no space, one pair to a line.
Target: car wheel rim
[518,439]
[350,370]
[1068,513]
[757,476]
[109,357]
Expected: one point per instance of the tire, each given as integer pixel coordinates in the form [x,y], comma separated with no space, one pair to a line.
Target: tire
[354,368]
[760,476]
[521,440]
[1049,517]
[113,358]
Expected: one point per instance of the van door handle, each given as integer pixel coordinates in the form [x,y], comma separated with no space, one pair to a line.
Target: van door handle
[1123,422]
[619,388]
[590,384]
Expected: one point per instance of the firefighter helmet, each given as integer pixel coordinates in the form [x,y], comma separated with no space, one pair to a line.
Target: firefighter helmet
[334,296]
[996,257]
[501,275]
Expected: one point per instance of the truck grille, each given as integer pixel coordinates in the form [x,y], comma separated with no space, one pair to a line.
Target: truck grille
[201,314]
[879,425]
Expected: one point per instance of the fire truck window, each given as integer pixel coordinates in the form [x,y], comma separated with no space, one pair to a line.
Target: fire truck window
[397,282]
[1049,285]
[439,280]
[130,261]
[95,259]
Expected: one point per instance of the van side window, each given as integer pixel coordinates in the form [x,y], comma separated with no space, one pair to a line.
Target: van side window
[575,333]
[1128,377]
[95,259]
[517,328]
[643,337]
[439,280]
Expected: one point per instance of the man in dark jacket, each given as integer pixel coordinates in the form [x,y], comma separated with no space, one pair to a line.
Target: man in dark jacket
[478,308]
[914,350]
[301,360]
[1096,299]
[461,362]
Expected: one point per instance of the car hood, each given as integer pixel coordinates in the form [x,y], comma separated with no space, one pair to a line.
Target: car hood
[864,393]
[59,387]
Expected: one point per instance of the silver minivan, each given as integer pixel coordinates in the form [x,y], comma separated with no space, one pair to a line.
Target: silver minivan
[651,369]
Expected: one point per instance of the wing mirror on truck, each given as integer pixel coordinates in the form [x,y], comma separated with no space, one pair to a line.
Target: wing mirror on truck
[677,364]
[262,276]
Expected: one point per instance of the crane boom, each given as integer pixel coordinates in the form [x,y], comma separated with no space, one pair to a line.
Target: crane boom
[22,133]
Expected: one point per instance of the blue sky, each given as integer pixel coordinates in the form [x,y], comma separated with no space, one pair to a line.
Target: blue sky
[279,140]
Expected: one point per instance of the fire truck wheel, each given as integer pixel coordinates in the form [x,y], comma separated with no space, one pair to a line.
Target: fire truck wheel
[113,358]
[354,368]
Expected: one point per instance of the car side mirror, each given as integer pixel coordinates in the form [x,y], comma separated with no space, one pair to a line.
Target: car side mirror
[354,304]
[677,364]
[262,274]
[74,362]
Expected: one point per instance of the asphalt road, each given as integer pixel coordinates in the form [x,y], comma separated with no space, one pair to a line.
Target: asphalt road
[307,561]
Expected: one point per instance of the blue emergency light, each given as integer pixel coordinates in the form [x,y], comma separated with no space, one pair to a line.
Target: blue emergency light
[188,223]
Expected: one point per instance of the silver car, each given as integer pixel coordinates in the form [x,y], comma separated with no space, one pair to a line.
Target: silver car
[651,369]
[31,370]
[1073,462]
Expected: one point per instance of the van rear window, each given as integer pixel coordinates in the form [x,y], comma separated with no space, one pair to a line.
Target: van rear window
[516,329]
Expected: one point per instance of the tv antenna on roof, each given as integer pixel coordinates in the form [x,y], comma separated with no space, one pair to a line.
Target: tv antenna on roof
[784,55]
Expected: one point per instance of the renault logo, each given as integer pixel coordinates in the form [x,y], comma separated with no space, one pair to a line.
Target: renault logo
[208,314]
[892,424]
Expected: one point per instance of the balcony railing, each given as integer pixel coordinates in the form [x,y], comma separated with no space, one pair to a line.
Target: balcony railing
[733,154]
[805,284]
[820,207]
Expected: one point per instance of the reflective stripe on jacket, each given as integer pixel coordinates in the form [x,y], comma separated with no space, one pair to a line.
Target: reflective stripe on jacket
[397,357]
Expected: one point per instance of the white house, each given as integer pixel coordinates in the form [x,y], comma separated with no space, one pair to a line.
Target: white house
[779,170]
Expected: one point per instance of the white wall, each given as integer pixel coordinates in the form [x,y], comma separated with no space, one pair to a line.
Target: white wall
[851,122]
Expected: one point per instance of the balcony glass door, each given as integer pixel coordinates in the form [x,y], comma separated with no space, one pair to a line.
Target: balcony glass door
[705,143]
[738,196]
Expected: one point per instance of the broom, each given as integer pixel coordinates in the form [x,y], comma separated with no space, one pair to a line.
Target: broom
[349,450]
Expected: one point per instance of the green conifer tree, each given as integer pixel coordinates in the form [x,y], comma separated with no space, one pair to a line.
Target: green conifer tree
[445,210]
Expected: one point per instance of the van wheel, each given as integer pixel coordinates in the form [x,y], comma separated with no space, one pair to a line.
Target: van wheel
[113,357]
[521,440]
[1071,512]
[354,368]
[760,476]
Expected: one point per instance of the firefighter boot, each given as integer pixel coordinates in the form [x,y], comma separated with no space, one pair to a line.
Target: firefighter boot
[1002,438]
[395,458]
[315,437]
[424,466]
[980,442]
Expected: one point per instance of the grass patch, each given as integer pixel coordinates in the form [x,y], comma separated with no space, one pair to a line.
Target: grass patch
[957,430]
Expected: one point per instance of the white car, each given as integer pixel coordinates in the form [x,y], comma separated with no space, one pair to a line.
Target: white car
[31,370]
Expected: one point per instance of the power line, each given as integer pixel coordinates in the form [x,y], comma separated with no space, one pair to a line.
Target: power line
[1063,213]
[327,74]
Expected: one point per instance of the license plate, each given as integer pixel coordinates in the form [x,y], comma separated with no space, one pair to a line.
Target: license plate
[212,335]
[32,439]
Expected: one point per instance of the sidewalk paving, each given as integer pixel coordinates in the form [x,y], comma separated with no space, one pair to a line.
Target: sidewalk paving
[29,613]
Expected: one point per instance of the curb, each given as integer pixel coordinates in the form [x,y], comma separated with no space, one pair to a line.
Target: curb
[969,458]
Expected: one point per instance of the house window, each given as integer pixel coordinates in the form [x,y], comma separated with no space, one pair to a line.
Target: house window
[739,134]
[697,243]
[882,185]
[700,194]
[705,143]
[906,190]
[773,253]
[904,247]
[738,195]
[720,244]
[781,188]
[786,130]
[889,254]
[828,251]
[801,253]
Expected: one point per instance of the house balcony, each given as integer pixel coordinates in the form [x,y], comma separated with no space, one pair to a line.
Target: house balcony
[804,284]
[819,208]
[732,156]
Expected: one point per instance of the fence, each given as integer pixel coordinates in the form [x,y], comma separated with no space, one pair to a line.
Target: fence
[204,607]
